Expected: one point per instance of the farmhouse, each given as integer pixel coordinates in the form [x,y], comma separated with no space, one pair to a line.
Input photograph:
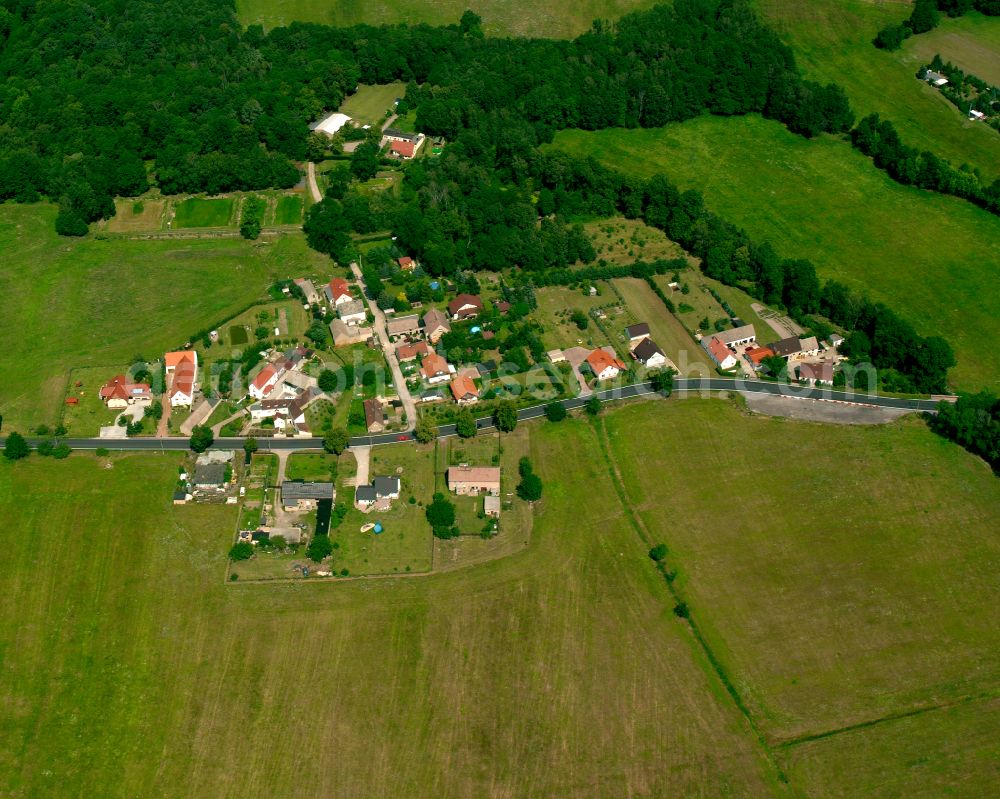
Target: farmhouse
[737,336]
[382,490]
[181,371]
[719,352]
[436,324]
[118,392]
[404,149]
[408,352]
[464,390]
[330,124]
[337,291]
[787,347]
[296,495]
[266,379]
[474,480]
[352,312]
[816,373]
[344,334]
[308,290]
[935,78]
[403,325]
[649,354]
[637,332]
[391,134]
[808,346]
[604,365]
[465,306]
[435,369]
[374,416]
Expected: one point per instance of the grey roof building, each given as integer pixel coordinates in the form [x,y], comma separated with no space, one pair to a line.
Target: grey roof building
[294,491]
[787,346]
[210,475]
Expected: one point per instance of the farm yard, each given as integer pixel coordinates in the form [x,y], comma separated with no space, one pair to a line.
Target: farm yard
[579,604]
[925,255]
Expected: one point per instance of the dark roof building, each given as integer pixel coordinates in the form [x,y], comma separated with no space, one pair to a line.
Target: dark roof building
[210,475]
[293,491]
[386,486]
[787,347]
[646,349]
[637,331]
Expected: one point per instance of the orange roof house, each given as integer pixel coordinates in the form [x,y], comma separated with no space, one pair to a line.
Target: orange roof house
[404,149]
[758,354]
[604,365]
[435,368]
[464,390]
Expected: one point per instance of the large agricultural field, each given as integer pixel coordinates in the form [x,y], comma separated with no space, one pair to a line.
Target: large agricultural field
[556,671]
[500,17]
[71,303]
[926,255]
[971,42]
[832,41]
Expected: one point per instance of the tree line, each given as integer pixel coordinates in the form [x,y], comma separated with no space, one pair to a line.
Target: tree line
[926,15]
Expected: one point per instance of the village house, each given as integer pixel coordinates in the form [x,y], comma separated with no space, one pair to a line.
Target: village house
[374,416]
[723,357]
[209,478]
[431,395]
[604,365]
[491,506]
[352,312]
[337,292]
[118,392]
[465,306]
[380,493]
[649,354]
[406,263]
[556,356]
[787,347]
[756,355]
[436,324]
[637,332]
[403,326]
[503,307]
[464,390]
[408,352]
[738,336]
[435,369]
[808,347]
[474,480]
[266,379]
[345,335]
[289,414]
[181,372]
[401,144]
[308,290]
[301,496]
[836,340]
[816,373]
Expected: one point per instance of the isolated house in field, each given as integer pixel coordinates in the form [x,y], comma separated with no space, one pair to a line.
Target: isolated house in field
[403,325]
[374,416]
[935,78]
[435,369]
[302,496]
[474,480]
[119,392]
[308,290]
[723,357]
[181,372]
[337,292]
[637,332]
[465,306]
[408,352]
[266,379]
[816,373]
[744,334]
[604,365]
[464,390]
[352,312]
[436,324]
[649,354]
[330,124]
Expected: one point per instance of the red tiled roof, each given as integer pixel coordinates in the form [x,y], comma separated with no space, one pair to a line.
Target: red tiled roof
[404,148]
[406,352]
[264,375]
[600,360]
[72,401]
[338,288]
[175,359]
[464,299]
[406,262]
[758,354]
[462,386]
[434,365]
[718,350]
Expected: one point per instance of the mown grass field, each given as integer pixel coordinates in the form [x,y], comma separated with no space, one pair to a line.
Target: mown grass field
[201,212]
[369,104]
[500,17]
[84,302]
[830,593]
[832,42]
[930,257]
[558,671]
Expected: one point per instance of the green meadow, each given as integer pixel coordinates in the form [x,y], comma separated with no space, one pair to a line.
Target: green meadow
[201,212]
[930,257]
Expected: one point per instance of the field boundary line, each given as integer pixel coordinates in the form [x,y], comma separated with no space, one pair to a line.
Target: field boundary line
[716,665]
[899,716]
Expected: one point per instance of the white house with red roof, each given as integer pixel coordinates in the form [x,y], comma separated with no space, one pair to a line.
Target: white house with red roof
[119,392]
[337,291]
[724,357]
[436,369]
[265,381]
[604,365]
[181,372]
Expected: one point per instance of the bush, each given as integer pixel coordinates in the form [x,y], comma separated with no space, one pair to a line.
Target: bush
[593,406]
[555,412]
[681,610]
[16,447]
[61,451]
[45,448]
[102,452]
[658,553]
[241,550]
[319,548]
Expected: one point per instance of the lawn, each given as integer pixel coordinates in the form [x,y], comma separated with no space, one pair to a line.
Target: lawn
[73,303]
[555,304]
[928,256]
[500,17]
[828,593]
[200,212]
[311,466]
[832,42]
[288,210]
[553,672]
[369,104]
[971,42]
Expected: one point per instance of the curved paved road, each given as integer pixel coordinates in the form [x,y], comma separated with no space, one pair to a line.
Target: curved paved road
[681,385]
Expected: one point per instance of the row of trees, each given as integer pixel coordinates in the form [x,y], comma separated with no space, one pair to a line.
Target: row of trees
[926,16]
[973,422]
